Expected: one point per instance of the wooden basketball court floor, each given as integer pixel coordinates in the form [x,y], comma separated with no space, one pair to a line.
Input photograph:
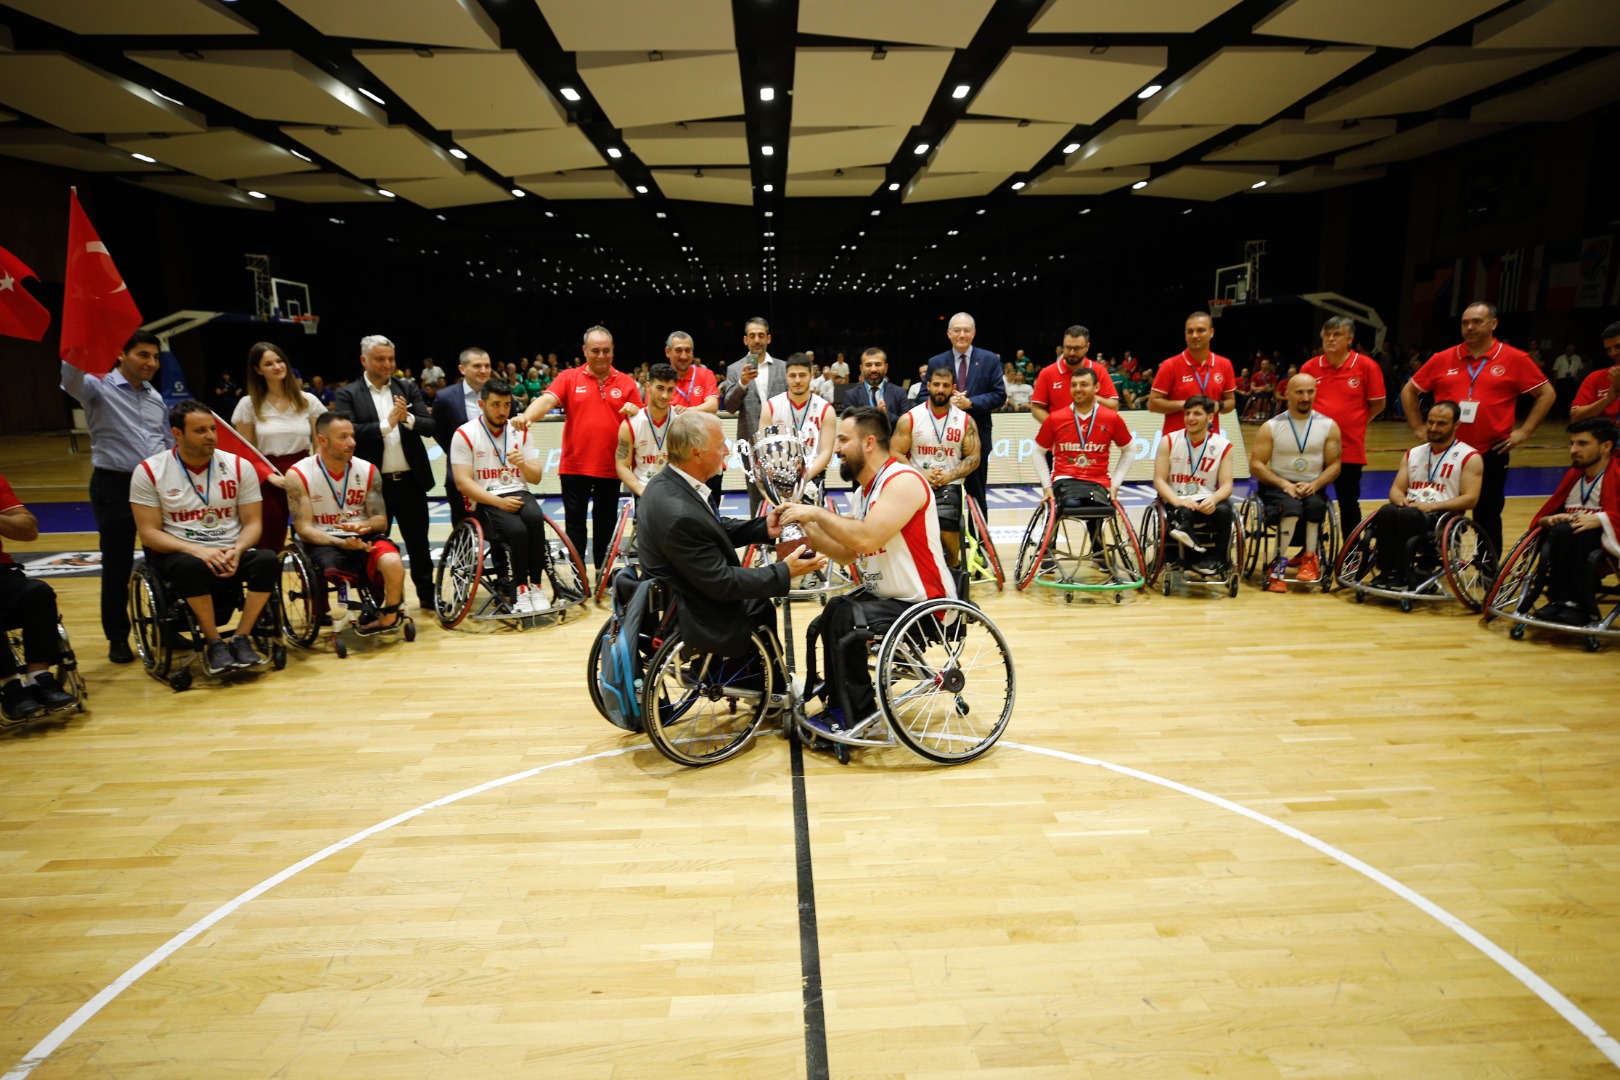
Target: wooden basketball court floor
[1270,836]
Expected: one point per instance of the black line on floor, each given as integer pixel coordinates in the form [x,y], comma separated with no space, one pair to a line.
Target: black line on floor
[815,1019]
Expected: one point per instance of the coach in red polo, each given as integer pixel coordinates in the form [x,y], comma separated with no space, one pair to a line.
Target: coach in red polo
[1350,390]
[1485,378]
[1196,370]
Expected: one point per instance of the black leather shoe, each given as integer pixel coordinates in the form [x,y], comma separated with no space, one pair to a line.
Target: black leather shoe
[119,652]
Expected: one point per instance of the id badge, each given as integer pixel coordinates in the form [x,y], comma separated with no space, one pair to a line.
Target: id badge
[1470,409]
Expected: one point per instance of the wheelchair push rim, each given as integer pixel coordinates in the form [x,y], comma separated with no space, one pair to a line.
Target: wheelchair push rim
[945,681]
[699,709]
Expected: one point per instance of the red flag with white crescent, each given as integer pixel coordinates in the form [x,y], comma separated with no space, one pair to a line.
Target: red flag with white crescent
[21,315]
[98,314]
[232,443]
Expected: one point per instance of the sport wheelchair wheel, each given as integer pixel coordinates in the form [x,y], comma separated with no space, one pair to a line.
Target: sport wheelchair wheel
[565,570]
[945,681]
[979,547]
[1150,535]
[615,548]
[698,708]
[1467,555]
[301,589]
[1037,535]
[1251,520]
[461,567]
[1356,560]
[149,615]
[1516,587]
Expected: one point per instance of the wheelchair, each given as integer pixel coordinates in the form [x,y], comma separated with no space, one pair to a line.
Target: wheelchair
[307,594]
[474,582]
[1163,555]
[1522,579]
[621,550]
[1259,524]
[1060,551]
[167,637]
[67,673]
[979,556]
[1452,562]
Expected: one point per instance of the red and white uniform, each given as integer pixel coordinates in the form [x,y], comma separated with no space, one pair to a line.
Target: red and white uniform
[936,441]
[911,566]
[1080,444]
[1178,379]
[486,451]
[1486,388]
[1054,389]
[1345,393]
[1598,387]
[805,419]
[8,499]
[202,506]
[695,387]
[335,497]
[647,453]
[1299,450]
[1195,469]
[1432,477]
[592,417]
[1599,495]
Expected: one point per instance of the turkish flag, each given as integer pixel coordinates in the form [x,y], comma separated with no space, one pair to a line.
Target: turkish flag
[20,314]
[233,443]
[98,314]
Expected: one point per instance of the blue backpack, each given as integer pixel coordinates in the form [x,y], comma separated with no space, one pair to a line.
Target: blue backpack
[619,674]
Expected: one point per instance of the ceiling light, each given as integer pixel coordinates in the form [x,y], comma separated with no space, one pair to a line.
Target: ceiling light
[767,150]
[258,195]
[1139,185]
[921,148]
[770,213]
[641,189]
[385,193]
[1087,210]
[335,220]
[768,188]
[1019,186]
[518,192]
[979,211]
[961,91]
[372,96]
[301,156]
[143,157]
[767,93]
[569,93]
[1257,185]
[441,217]
[661,214]
[1148,91]
[1187,211]
[875,213]
[550,214]
[458,153]
[953,232]
[615,153]
[166,97]
[894,186]
[1071,148]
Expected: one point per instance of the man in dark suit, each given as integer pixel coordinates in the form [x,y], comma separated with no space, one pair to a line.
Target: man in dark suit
[390,423]
[980,389]
[682,541]
[454,406]
[875,390]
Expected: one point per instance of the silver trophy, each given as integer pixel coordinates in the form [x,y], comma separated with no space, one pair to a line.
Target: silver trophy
[777,462]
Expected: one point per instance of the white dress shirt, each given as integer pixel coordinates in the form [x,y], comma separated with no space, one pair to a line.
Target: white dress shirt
[393,457]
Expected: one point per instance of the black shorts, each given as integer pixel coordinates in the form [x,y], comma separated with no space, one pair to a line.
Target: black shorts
[1311,508]
[948,507]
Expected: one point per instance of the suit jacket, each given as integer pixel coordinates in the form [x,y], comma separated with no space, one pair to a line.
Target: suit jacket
[681,542]
[985,386]
[355,399]
[857,396]
[449,413]
[744,400]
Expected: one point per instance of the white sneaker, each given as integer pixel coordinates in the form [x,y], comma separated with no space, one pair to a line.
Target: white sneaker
[520,601]
[537,601]
[1182,537]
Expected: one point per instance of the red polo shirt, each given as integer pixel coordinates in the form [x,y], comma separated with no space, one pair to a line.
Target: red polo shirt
[1345,393]
[1494,381]
[1596,386]
[591,419]
[1053,390]
[695,387]
[1178,379]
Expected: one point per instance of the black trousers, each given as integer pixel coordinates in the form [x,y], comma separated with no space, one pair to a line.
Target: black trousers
[29,605]
[1492,496]
[1571,560]
[407,504]
[190,577]
[524,535]
[978,480]
[847,669]
[109,501]
[1213,530]
[1347,488]
[600,494]
[1401,531]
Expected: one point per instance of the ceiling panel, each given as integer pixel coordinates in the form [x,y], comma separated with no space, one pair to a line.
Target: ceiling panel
[1248,84]
[199,190]
[52,147]
[519,153]
[817,148]
[1069,85]
[577,184]
[1561,97]
[156,17]
[930,186]
[71,94]
[640,24]
[972,144]
[835,183]
[636,92]
[464,190]
[313,187]
[268,84]
[734,186]
[1293,140]
[1416,142]
[1127,142]
[1536,24]
[1400,24]
[450,23]
[1318,178]
[1055,181]
[458,89]
[723,143]
[1206,183]
[1126,16]
[1428,80]
[219,154]
[951,23]
[846,87]
[394,152]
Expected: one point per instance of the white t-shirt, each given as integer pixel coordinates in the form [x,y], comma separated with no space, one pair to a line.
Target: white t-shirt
[1019,394]
[473,444]
[275,431]
[198,507]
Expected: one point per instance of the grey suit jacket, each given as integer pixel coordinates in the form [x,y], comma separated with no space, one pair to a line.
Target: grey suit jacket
[744,400]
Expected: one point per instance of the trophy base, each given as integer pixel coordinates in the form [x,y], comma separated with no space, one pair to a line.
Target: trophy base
[784,548]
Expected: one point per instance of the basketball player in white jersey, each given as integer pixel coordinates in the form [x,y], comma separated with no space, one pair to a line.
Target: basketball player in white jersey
[1295,458]
[1192,472]
[337,511]
[942,442]
[809,414]
[197,511]
[641,438]
[894,537]
[493,462]
[1443,476]
[1580,517]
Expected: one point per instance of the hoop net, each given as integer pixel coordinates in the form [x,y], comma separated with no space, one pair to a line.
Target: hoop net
[310,323]
[1215,308]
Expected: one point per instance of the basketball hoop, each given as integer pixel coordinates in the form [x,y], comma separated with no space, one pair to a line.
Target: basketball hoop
[310,323]
[1215,308]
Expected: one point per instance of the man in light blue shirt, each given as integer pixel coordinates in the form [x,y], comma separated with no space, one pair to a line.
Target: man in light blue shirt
[128,423]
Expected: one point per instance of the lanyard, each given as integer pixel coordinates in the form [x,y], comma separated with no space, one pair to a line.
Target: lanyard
[793,414]
[872,488]
[686,395]
[1085,436]
[500,449]
[1436,462]
[1473,370]
[338,493]
[939,429]
[204,492]
[1203,383]
[1586,489]
[658,440]
[1203,448]
[1295,429]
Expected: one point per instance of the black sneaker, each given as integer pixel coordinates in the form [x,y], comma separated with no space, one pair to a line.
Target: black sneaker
[217,657]
[49,693]
[119,652]
[17,705]
[243,654]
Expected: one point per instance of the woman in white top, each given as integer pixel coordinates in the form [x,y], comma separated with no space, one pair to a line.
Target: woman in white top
[276,416]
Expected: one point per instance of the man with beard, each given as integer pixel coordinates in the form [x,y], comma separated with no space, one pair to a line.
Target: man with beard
[942,442]
[1582,516]
[1294,458]
[1440,477]
[875,389]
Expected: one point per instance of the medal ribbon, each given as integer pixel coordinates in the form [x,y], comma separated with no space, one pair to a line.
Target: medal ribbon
[1085,436]
[1436,462]
[658,441]
[1295,429]
[500,448]
[939,430]
[204,492]
[866,495]
[1203,383]
[338,493]
[1203,448]
[1586,489]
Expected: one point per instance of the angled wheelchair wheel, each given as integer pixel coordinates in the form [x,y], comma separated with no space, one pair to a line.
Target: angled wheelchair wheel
[1251,519]
[67,670]
[1032,549]
[300,589]
[1151,537]
[1236,550]
[945,681]
[565,571]
[1328,542]
[1359,557]
[149,617]
[1126,553]
[1515,588]
[986,543]
[461,567]
[615,549]
[699,708]
[1466,554]
[593,669]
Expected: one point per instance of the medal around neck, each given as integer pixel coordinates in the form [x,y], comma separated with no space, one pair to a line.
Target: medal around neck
[777,463]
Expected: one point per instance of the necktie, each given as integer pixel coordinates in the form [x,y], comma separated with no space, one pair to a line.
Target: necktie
[961,374]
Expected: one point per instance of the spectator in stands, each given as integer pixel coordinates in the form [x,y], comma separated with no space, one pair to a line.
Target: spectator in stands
[226,394]
[1567,373]
[1018,393]
[322,392]
[838,367]
[431,372]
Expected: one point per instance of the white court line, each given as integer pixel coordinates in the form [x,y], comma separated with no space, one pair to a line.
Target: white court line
[1605,1043]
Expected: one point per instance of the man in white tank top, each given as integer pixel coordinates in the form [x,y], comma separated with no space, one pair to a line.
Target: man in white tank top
[940,441]
[1192,472]
[1295,457]
[893,535]
[809,414]
[1441,477]
[641,438]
